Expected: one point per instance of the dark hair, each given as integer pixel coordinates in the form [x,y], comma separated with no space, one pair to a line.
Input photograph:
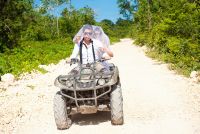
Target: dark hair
[87,26]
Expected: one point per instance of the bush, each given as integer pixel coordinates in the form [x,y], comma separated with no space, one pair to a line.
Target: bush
[30,54]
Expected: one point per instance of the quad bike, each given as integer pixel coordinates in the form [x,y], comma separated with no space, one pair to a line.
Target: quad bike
[87,88]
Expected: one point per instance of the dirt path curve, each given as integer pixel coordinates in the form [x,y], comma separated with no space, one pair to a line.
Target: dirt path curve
[156,101]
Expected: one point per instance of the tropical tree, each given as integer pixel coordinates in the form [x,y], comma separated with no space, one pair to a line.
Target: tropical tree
[52,7]
[127,8]
[171,28]
[12,21]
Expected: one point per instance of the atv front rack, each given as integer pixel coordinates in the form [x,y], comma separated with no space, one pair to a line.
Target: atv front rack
[94,94]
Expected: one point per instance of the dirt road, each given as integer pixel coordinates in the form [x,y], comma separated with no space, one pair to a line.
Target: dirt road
[156,100]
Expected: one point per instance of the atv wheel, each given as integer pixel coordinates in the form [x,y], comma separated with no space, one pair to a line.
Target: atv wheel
[116,104]
[60,112]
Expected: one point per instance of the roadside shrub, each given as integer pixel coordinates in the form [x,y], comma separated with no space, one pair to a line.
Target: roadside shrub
[30,54]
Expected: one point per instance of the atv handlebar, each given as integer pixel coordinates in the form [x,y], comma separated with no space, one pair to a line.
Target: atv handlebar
[75,60]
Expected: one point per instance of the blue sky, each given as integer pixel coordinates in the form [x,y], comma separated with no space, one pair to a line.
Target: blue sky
[104,9]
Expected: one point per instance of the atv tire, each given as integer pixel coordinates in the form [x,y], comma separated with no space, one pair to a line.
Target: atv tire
[116,104]
[60,112]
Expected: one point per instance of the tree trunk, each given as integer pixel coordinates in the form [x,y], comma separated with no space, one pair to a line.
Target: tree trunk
[57,25]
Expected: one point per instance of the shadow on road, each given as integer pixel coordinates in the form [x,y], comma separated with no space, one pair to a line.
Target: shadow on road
[91,119]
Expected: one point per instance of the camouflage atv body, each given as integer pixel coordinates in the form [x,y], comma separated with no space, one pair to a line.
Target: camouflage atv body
[85,90]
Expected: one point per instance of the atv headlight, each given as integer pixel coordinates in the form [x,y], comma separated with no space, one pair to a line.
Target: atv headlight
[69,83]
[101,82]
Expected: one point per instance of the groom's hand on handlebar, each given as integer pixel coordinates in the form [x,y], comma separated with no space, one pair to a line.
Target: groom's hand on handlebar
[73,61]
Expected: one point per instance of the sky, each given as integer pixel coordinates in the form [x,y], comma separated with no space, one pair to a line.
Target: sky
[104,9]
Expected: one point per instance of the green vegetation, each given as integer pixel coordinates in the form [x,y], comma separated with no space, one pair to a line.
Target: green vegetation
[33,53]
[30,35]
[171,29]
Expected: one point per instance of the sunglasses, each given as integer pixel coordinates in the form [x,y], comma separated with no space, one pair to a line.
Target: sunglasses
[87,33]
